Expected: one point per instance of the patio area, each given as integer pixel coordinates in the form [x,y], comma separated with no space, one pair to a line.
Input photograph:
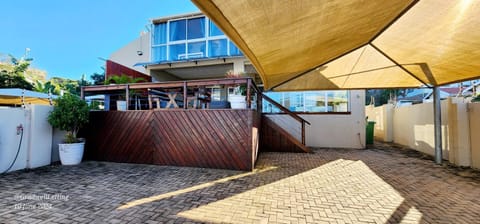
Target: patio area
[380,185]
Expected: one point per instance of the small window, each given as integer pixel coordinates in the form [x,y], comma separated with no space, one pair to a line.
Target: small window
[178,30]
[309,101]
[196,28]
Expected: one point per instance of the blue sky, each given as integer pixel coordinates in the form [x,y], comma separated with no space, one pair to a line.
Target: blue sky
[66,37]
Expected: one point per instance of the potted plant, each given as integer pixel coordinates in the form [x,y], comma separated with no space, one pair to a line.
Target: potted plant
[70,114]
[237,98]
[122,79]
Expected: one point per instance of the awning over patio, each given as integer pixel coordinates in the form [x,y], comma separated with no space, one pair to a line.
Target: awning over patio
[353,44]
[15,96]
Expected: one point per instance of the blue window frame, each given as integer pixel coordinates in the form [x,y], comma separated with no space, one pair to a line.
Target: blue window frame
[196,49]
[196,28]
[234,51]
[160,33]
[177,52]
[159,53]
[214,30]
[217,47]
[178,30]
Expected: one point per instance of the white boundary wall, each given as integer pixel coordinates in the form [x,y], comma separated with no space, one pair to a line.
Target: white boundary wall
[36,147]
[412,126]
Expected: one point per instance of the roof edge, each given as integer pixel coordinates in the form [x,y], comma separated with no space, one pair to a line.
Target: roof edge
[177,16]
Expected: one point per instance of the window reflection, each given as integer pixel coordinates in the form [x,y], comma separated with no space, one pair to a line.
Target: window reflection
[196,28]
[218,47]
[177,52]
[309,101]
[178,30]
[160,34]
[160,53]
[234,49]
[196,50]
[214,30]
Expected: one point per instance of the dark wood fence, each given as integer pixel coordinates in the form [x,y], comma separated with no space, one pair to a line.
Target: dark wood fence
[275,138]
[224,139]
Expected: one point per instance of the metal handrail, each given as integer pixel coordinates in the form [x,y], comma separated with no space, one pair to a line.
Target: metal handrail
[284,109]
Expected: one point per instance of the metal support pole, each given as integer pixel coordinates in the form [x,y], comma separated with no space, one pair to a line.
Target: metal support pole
[249,97]
[82,93]
[437,113]
[185,99]
[127,95]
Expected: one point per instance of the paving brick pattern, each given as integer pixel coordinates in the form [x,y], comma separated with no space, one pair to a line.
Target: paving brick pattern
[381,185]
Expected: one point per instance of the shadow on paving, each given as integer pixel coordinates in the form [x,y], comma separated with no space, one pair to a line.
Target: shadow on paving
[383,185]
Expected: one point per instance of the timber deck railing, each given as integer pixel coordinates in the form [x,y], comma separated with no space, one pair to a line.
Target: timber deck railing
[182,90]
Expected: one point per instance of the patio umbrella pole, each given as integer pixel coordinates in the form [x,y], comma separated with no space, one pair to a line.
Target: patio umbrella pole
[437,113]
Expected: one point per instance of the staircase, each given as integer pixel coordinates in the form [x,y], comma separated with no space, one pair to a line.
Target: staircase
[282,132]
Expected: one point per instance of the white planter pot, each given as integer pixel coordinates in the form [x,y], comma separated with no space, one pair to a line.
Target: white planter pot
[71,154]
[121,105]
[237,102]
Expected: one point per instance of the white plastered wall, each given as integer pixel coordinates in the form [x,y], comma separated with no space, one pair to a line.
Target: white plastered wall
[413,127]
[128,54]
[474,120]
[383,118]
[36,143]
[339,130]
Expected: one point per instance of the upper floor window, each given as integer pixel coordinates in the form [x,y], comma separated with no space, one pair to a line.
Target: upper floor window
[183,39]
[214,30]
[160,34]
[310,101]
[178,30]
[196,28]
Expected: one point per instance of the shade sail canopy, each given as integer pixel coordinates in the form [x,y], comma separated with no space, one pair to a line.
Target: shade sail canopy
[353,44]
[14,96]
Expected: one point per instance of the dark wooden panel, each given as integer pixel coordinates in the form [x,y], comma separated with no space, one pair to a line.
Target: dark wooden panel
[198,138]
[119,136]
[113,68]
[275,139]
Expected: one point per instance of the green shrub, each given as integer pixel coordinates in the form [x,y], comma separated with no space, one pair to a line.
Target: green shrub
[476,98]
[69,114]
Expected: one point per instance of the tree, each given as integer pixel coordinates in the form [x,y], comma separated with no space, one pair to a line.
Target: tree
[98,78]
[122,79]
[15,77]
[14,81]
[47,87]
[382,96]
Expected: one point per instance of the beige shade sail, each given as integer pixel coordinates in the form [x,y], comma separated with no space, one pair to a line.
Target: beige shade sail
[353,44]
[14,96]
[13,100]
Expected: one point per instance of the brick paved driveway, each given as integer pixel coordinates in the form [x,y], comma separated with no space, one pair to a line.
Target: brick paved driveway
[329,186]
